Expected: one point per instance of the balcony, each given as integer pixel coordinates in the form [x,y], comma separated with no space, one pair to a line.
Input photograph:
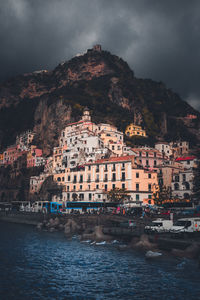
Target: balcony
[88,180]
[105,179]
[97,180]
[123,179]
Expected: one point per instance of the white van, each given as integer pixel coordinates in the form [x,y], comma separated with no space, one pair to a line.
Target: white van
[159,225]
[186,225]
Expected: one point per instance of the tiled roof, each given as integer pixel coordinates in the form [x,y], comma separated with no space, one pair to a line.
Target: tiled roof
[114,159]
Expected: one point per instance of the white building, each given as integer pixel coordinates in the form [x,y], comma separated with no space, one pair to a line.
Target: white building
[164,148]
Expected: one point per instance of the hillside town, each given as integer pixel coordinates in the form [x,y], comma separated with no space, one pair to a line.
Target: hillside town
[92,161]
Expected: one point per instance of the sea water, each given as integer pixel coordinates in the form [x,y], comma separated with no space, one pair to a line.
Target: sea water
[41,265]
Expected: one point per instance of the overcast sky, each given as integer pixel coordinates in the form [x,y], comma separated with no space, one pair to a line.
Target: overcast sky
[160,39]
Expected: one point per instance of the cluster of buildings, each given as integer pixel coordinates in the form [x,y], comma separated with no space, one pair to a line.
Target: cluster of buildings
[23,146]
[92,159]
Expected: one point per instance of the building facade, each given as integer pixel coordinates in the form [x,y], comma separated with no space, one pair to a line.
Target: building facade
[93,181]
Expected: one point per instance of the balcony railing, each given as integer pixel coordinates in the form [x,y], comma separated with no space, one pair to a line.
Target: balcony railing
[97,180]
[123,179]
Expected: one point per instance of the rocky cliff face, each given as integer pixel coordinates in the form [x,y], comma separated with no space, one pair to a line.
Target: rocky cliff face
[47,101]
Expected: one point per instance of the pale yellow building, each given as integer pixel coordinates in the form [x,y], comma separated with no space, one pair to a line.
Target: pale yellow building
[94,180]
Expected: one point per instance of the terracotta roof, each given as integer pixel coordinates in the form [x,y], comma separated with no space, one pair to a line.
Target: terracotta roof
[186,158]
[145,150]
[113,159]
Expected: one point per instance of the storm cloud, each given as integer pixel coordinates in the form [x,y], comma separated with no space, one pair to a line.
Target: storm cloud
[159,39]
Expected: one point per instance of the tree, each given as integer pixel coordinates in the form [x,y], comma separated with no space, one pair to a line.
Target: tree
[117,195]
[196,184]
[161,193]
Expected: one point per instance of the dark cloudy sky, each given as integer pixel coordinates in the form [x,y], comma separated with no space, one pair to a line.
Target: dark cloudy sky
[160,39]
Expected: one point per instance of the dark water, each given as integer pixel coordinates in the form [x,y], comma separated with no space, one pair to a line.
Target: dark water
[41,265]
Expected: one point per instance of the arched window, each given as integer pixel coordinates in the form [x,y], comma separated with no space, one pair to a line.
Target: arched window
[176,186]
[187,185]
[186,196]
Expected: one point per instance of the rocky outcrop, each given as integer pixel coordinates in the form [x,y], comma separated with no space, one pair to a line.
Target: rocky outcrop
[96,235]
[49,121]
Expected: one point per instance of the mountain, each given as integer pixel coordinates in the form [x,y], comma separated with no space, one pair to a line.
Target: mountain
[46,101]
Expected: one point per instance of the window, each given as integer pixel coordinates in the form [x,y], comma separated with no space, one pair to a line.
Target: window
[88,187]
[74,187]
[81,187]
[113,147]
[188,162]
[106,168]
[58,179]
[137,187]
[154,154]
[149,196]
[155,162]
[123,185]
[68,187]
[90,196]
[74,181]
[97,186]
[147,154]
[176,178]
[89,168]
[113,186]
[187,185]
[106,177]
[113,177]
[114,169]
[176,186]
[123,166]
[149,187]
[184,177]
[137,197]
[106,187]
[81,178]
[140,153]
[149,175]
[147,162]
[137,175]
[63,178]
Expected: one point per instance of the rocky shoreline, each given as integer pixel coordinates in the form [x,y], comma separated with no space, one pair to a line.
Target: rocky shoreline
[94,231]
[105,228]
